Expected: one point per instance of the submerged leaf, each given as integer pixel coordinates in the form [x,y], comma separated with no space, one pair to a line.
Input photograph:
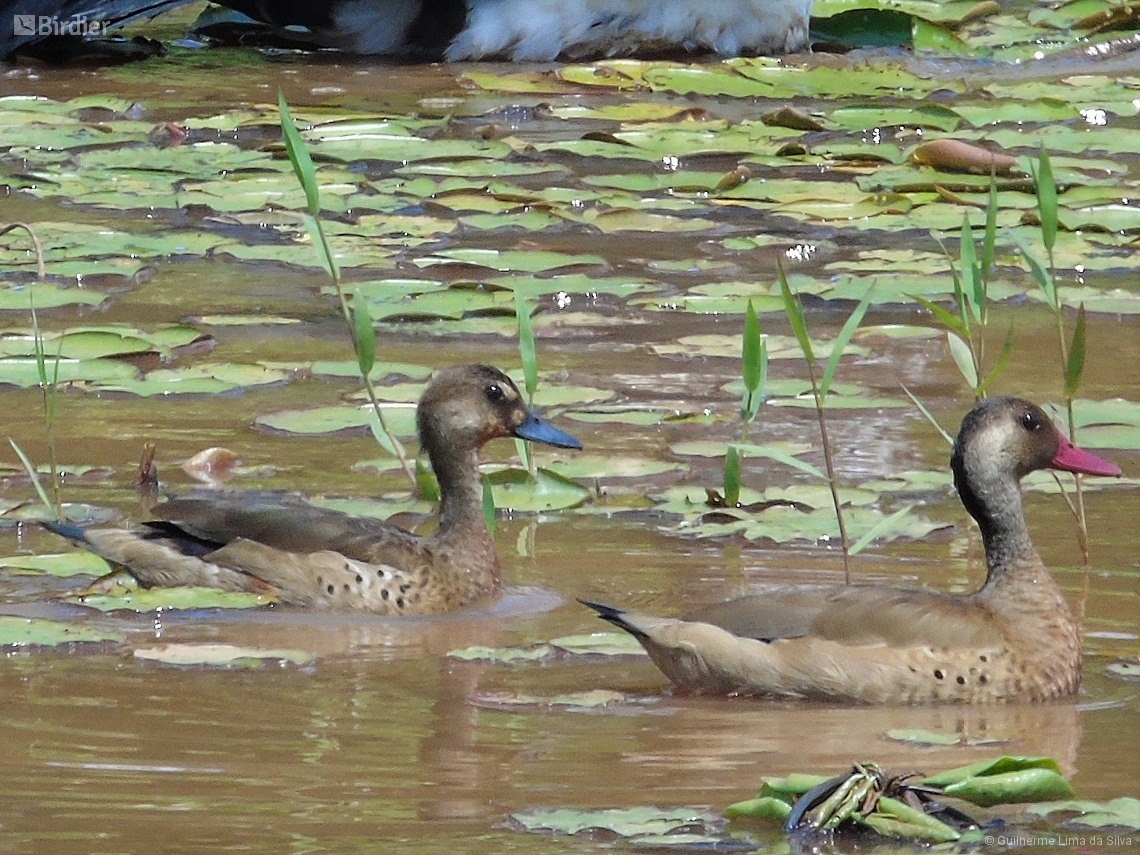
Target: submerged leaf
[39,632]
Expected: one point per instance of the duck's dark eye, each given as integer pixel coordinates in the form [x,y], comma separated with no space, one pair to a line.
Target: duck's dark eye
[495,393]
[1030,422]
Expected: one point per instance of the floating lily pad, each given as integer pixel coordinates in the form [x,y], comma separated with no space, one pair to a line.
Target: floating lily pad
[503,655]
[1122,812]
[588,700]
[24,372]
[62,564]
[38,632]
[225,655]
[150,599]
[628,823]
[600,644]
[515,490]
[401,420]
[930,737]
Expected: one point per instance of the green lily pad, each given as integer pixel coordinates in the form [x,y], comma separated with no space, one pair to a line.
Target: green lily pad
[523,261]
[150,599]
[599,644]
[38,632]
[1122,812]
[47,296]
[401,420]
[931,737]
[199,380]
[607,467]
[503,655]
[628,823]
[587,700]
[61,564]
[515,490]
[225,655]
[24,372]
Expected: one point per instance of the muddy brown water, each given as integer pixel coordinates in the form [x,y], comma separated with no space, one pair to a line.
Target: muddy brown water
[379,744]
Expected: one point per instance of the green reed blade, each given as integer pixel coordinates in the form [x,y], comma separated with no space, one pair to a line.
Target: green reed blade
[1047,201]
[1075,367]
[928,416]
[526,346]
[971,276]
[952,322]
[299,157]
[999,364]
[795,313]
[1041,275]
[364,334]
[964,359]
[879,528]
[989,241]
[840,343]
[33,475]
[489,507]
[731,476]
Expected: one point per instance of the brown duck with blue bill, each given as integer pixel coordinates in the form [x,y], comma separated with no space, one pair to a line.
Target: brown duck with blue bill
[308,556]
[1015,638]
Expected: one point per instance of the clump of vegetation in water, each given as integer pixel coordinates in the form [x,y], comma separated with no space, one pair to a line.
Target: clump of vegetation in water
[966,328]
[357,317]
[49,388]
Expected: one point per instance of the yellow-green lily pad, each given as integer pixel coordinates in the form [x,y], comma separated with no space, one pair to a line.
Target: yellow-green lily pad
[39,632]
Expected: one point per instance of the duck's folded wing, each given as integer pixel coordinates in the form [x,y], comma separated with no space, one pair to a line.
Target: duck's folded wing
[857,615]
[280,522]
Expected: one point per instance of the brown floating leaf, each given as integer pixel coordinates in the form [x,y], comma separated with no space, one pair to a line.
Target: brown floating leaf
[958,156]
[790,117]
[212,465]
[738,176]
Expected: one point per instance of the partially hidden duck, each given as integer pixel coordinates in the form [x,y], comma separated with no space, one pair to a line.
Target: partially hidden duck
[309,556]
[463,30]
[1015,638]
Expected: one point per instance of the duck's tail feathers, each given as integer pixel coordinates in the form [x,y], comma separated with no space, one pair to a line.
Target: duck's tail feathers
[614,615]
[74,533]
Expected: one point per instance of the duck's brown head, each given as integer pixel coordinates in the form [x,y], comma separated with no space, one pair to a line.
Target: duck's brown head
[466,406]
[1007,438]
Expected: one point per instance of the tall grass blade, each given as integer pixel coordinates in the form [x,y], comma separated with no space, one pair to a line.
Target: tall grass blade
[783,457]
[489,507]
[381,435]
[526,346]
[753,365]
[731,476]
[949,320]
[795,313]
[321,244]
[879,528]
[971,276]
[840,343]
[37,485]
[1047,201]
[299,157]
[1037,269]
[928,415]
[363,333]
[1003,358]
[427,488]
[989,241]
[964,359]
[1075,367]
